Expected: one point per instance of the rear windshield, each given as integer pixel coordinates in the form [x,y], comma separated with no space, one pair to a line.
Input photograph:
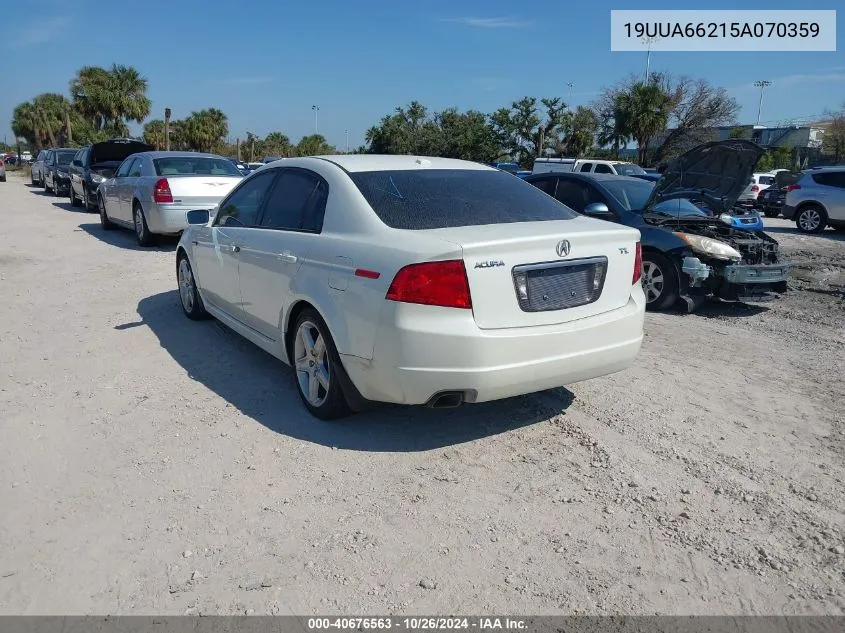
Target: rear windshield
[626,169]
[445,198]
[65,158]
[767,180]
[194,166]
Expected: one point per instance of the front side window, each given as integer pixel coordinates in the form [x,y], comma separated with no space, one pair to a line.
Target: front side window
[243,204]
[297,202]
[419,199]
[64,158]
[601,168]
[135,169]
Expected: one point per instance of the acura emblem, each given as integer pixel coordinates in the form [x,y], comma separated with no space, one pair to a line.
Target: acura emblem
[562,248]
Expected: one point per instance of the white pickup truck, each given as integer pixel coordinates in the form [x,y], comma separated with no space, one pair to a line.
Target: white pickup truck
[593,165]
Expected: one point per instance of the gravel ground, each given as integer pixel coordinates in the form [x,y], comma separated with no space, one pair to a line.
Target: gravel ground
[153,465]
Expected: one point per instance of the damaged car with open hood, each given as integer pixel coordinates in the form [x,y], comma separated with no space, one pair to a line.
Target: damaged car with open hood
[712,256]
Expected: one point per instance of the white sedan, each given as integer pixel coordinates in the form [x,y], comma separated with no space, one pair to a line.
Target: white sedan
[414,280]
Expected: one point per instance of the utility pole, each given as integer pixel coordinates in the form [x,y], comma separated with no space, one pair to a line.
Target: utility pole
[569,101]
[316,109]
[648,41]
[347,141]
[167,129]
[238,146]
[762,84]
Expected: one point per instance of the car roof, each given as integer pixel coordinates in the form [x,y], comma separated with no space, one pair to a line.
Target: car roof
[383,162]
[815,170]
[165,154]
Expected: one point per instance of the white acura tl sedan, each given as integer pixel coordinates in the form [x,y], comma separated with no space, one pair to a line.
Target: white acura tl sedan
[414,280]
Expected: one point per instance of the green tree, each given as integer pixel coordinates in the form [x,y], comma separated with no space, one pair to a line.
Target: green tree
[582,135]
[642,113]
[154,133]
[277,144]
[27,125]
[203,131]
[834,136]
[408,131]
[523,131]
[110,98]
[466,135]
[314,145]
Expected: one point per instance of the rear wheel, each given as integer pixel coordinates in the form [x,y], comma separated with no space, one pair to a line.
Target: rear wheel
[86,203]
[811,219]
[142,231]
[74,201]
[104,217]
[317,365]
[660,282]
[48,189]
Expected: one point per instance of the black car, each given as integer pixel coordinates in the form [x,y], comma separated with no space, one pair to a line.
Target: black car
[57,163]
[94,164]
[690,248]
[770,201]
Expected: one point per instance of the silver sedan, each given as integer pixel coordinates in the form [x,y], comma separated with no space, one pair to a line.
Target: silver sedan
[152,192]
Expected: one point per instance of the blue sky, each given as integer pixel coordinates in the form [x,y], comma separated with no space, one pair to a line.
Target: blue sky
[266,63]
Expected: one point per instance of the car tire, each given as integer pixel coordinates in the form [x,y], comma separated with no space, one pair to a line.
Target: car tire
[811,218]
[660,282]
[189,296]
[316,365]
[104,217]
[86,200]
[74,201]
[48,189]
[142,230]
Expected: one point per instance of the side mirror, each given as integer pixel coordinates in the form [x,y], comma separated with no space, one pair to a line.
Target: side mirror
[199,216]
[598,209]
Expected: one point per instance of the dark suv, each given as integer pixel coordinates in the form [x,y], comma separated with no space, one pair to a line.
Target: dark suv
[94,164]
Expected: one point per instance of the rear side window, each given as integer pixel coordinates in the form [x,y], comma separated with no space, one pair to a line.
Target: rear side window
[831,178]
[601,168]
[767,180]
[586,167]
[445,198]
[297,202]
[195,166]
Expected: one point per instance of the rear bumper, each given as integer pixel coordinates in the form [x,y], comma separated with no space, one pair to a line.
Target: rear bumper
[421,351]
[167,219]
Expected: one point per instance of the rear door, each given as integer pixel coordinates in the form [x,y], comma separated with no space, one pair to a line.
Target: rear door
[126,187]
[273,254]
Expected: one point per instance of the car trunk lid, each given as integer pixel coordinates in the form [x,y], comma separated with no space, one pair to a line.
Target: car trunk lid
[200,192]
[545,273]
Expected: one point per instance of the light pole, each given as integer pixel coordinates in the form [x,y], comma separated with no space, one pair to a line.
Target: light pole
[569,102]
[762,84]
[316,109]
[648,41]
[347,141]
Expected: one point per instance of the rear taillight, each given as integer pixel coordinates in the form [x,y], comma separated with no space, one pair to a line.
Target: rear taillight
[755,188]
[161,191]
[638,264]
[792,188]
[432,283]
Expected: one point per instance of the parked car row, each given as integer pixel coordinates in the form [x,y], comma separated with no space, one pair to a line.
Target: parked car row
[814,198]
[434,281]
[695,242]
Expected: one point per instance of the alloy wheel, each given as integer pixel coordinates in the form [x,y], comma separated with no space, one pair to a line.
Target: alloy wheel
[809,220]
[139,223]
[186,285]
[653,281]
[311,362]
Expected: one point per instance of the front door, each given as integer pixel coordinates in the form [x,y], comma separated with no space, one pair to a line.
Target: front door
[217,249]
[126,189]
[272,254]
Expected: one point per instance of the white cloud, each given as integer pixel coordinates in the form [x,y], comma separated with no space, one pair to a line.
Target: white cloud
[43,32]
[490,23]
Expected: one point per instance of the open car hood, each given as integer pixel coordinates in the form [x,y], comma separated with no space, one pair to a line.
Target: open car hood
[715,173]
[117,149]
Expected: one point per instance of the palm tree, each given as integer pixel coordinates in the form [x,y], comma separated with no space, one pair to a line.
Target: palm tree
[206,129]
[642,113]
[26,124]
[111,98]
[154,133]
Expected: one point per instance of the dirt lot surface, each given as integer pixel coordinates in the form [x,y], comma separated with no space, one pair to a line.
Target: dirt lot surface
[153,465]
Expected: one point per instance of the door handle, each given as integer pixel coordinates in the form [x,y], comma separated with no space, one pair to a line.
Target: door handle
[287,257]
[236,249]
[194,242]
